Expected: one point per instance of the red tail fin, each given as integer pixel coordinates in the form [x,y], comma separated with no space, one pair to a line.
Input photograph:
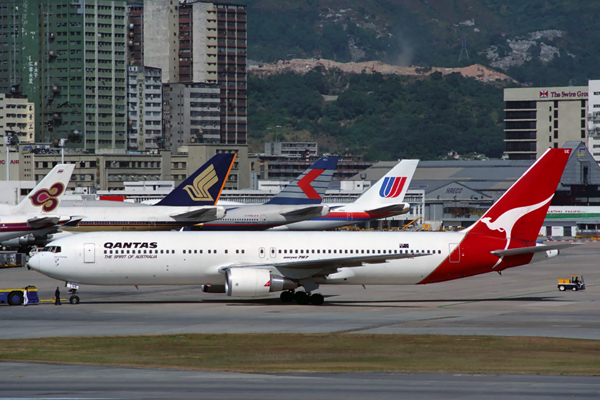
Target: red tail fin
[520,212]
[514,221]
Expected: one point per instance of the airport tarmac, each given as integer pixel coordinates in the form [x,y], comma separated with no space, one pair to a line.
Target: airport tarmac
[523,301]
[31,380]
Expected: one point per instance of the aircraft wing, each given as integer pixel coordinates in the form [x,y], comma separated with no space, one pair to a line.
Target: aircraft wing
[334,263]
[304,211]
[38,222]
[400,208]
[533,249]
[201,214]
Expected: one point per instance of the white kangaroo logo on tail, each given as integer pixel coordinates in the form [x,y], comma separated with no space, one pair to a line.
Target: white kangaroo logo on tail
[507,221]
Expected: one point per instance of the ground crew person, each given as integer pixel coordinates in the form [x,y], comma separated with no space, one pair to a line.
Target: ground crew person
[57,297]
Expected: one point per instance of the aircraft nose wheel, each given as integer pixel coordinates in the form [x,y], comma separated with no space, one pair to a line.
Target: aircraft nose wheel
[74,299]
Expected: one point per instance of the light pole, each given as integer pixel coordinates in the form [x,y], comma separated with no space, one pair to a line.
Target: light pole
[61,144]
[7,144]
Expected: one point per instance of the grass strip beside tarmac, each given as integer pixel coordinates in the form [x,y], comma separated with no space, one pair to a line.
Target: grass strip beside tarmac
[320,353]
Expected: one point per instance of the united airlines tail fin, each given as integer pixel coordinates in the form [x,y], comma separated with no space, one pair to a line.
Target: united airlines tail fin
[203,187]
[390,189]
[45,197]
[519,213]
[310,187]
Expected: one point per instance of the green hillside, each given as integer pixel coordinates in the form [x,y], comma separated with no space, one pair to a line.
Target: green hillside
[430,33]
[383,117]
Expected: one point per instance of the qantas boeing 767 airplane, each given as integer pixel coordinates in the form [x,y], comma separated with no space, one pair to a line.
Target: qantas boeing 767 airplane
[253,264]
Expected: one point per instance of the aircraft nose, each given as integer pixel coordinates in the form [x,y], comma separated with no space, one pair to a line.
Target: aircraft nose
[35,262]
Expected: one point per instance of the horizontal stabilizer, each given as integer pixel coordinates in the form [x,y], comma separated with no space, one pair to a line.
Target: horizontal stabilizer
[73,222]
[39,222]
[201,214]
[305,211]
[334,263]
[532,249]
[397,209]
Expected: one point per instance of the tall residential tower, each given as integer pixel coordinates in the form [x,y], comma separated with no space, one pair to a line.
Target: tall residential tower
[68,58]
[197,42]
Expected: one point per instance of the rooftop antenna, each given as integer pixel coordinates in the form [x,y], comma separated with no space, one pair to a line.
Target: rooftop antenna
[463,49]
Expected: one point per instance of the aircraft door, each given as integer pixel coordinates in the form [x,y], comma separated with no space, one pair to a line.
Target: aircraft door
[89,250]
[454,252]
[273,252]
[263,219]
[261,252]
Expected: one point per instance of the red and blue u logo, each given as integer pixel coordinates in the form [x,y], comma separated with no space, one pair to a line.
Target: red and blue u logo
[392,187]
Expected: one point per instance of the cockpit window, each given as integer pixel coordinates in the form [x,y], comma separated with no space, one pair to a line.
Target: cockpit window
[52,249]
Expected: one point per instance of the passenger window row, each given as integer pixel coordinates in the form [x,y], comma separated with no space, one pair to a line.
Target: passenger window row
[352,251]
[139,252]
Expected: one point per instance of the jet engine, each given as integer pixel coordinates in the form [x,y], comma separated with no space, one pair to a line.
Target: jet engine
[255,282]
[27,240]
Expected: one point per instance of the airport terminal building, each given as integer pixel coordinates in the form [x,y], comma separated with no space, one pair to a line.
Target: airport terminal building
[457,193]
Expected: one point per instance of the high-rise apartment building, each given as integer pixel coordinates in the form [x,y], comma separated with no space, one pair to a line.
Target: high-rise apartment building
[540,118]
[69,58]
[197,41]
[144,108]
[192,114]
[17,116]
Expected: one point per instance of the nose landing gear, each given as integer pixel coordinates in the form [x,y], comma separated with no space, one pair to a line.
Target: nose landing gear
[74,299]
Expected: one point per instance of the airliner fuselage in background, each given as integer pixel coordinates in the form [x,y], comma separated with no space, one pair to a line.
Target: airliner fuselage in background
[249,264]
[299,201]
[191,202]
[382,200]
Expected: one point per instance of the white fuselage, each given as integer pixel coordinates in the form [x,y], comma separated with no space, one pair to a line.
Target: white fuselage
[128,217]
[340,215]
[189,258]
[264,216]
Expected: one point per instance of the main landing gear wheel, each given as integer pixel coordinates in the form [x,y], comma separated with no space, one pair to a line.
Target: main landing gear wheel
[317,299]
[286,297]
[301,298]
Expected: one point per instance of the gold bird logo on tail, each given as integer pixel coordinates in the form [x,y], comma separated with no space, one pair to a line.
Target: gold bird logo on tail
[198,191]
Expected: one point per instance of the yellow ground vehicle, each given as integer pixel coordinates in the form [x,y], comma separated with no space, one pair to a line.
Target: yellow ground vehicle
[14,297]
[574,283]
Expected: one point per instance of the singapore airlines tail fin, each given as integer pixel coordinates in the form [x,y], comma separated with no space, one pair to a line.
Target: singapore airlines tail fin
[309,187]
[45,197]
[519,214]
[389,191]
[204,186]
